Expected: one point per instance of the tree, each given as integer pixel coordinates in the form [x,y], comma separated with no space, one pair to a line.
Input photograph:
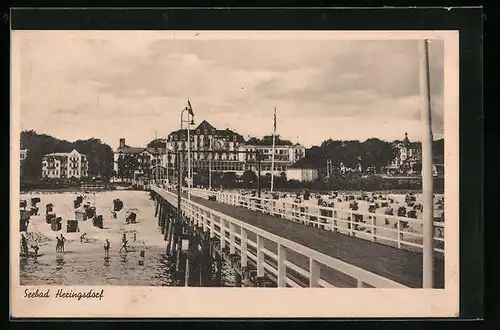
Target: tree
[372,152]
[417,167]
[157,143]
[249,178]
[38,145]
[229,179]
[127,164]
[268,140]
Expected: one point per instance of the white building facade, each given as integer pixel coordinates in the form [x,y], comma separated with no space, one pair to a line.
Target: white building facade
[65,165]
[234,155]
[303,170]
[212,150]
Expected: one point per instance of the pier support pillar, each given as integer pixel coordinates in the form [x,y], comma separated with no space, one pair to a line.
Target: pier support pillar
[243,254]
[218,270]
[237,280]
[212,226]
[222,225]
[260,256]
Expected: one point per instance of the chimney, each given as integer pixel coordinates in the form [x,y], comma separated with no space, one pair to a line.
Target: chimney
[122,143]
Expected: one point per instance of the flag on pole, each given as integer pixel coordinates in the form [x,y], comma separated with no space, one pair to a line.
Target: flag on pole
[190,108]
[274,119]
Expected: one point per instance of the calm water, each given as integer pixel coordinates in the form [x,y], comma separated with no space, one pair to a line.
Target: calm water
[91,268]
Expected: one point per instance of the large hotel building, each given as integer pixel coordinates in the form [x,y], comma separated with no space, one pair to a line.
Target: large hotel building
[65,165]
[229,157]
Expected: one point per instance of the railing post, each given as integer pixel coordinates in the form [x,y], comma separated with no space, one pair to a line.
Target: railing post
[212,226]
[313,273]
[244,257]
[360,283]
[374,228]
[334,221]
[260,256]
[232,240]
[351,223]
[201,215]
[399,234]
[205,216]
[281,266]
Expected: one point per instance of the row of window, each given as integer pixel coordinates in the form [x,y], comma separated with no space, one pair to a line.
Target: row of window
[184,137]
[220,166]
[56,172]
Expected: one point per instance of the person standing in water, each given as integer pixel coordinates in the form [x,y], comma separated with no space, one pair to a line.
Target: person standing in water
[24,245]
[36,248]
[58,244]
[106,248]
[63,240]
[124,243]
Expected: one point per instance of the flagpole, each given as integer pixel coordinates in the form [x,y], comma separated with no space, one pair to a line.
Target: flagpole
[274,146]
[427,178]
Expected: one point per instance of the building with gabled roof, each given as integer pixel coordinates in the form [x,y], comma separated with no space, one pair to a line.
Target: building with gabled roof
[59,165]
[304,169]
[233,153]
[206,137]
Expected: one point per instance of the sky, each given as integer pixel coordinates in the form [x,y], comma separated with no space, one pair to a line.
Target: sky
[135,84]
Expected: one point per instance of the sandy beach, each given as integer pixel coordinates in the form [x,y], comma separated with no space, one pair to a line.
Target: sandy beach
[87,257]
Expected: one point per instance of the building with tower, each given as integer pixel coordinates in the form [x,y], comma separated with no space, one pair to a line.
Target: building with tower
[228,157]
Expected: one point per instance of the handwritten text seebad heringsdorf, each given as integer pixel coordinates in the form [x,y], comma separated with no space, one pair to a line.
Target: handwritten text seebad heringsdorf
[63,294]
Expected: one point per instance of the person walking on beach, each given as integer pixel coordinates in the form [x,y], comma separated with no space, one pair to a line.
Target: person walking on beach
[124,243]
[63,240]
[83,238]
[106,248]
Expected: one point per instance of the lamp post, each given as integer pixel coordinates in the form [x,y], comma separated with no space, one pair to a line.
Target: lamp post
[189,122]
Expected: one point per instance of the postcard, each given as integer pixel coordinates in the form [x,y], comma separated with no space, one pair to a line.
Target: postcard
[234,174]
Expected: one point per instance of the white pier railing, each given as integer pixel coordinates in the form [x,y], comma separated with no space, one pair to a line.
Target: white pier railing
[400,232]
[253,243]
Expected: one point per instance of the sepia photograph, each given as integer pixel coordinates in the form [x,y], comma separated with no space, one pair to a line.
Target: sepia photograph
[228,159]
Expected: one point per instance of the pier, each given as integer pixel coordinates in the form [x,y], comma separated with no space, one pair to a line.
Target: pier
[266,249]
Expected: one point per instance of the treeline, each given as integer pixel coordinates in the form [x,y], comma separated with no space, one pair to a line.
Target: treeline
[372,152]
[267,140]
[100,154]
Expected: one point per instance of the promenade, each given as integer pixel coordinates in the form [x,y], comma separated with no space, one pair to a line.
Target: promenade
[392,263]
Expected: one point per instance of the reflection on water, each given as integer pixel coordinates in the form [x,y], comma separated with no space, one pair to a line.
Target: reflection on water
[59,262]
[94,269]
